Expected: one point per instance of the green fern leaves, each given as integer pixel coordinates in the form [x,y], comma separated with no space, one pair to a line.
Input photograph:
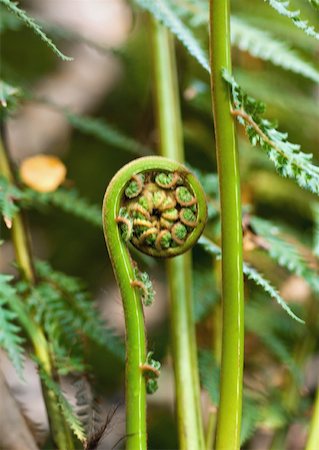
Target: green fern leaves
[263,45]
[163,12]
[258,278]
[65,407]
[9,194]
[282,7]
[287,158]
[61,304]
[10,333]
[254,275]
[31,23]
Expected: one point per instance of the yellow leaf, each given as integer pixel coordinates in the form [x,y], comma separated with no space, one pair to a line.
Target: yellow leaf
[43,173]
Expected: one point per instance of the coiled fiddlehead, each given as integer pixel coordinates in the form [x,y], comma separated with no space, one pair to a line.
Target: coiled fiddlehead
[159,207]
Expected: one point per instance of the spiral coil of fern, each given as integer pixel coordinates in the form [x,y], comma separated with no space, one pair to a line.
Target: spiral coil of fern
[160,208]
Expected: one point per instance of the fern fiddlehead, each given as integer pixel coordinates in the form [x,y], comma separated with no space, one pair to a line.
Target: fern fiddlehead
[159,207]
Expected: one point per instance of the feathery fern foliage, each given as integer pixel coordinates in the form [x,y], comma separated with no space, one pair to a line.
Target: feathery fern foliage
[282,7]
[65,407]
[106,133]
[258,278]
[209,374]
[315,209]
[263,45]
[163,12]
[250,420]
[9,96]
[67,313]
[31,23]
[10,333]
[87,406]
[273,334]
[286,253]
[9,194]
[254,275]
[205,294]
[287,158]
[314,3]
[66,200]
[180,18]
[7,20]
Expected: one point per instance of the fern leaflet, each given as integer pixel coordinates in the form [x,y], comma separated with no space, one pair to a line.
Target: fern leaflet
[163,12]
[282,8]
[65,407]
[31,23]
[106,133]
[315,209]
[68,201]
[258,278]
[261,44]
[68,307]
[8,195]
[287,158]
[284,252]
[251,418]
[10,339]
[254,275]
[244,36]
[209,374]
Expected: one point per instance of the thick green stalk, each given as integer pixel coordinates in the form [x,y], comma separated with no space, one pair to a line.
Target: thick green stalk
[179,269]
[134,320]
[230,409]
[313,437]
[60,430]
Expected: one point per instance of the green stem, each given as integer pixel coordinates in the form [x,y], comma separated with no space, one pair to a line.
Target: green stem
[230,409]
[179,270]
[313,437]
[125,275]
[211,428]
[60,430]
[134,320]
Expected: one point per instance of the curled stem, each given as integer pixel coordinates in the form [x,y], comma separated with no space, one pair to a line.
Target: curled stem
[117,201]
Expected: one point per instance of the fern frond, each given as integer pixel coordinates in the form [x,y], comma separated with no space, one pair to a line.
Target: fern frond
[9,96]
[163,12]
[8,21]
[250,419]
[254,275]
[263,45]
[258,278]
[205,294]
[87,406]
[314,3]
[287,158]
[209,246]
[315,209]
[265,327]
[10,333]
[69,305]
[285,253]
[65,407]
[282,7]
[9,194]
[209,374]
[66,200]
[31,23]
[106,133]
[258,43]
